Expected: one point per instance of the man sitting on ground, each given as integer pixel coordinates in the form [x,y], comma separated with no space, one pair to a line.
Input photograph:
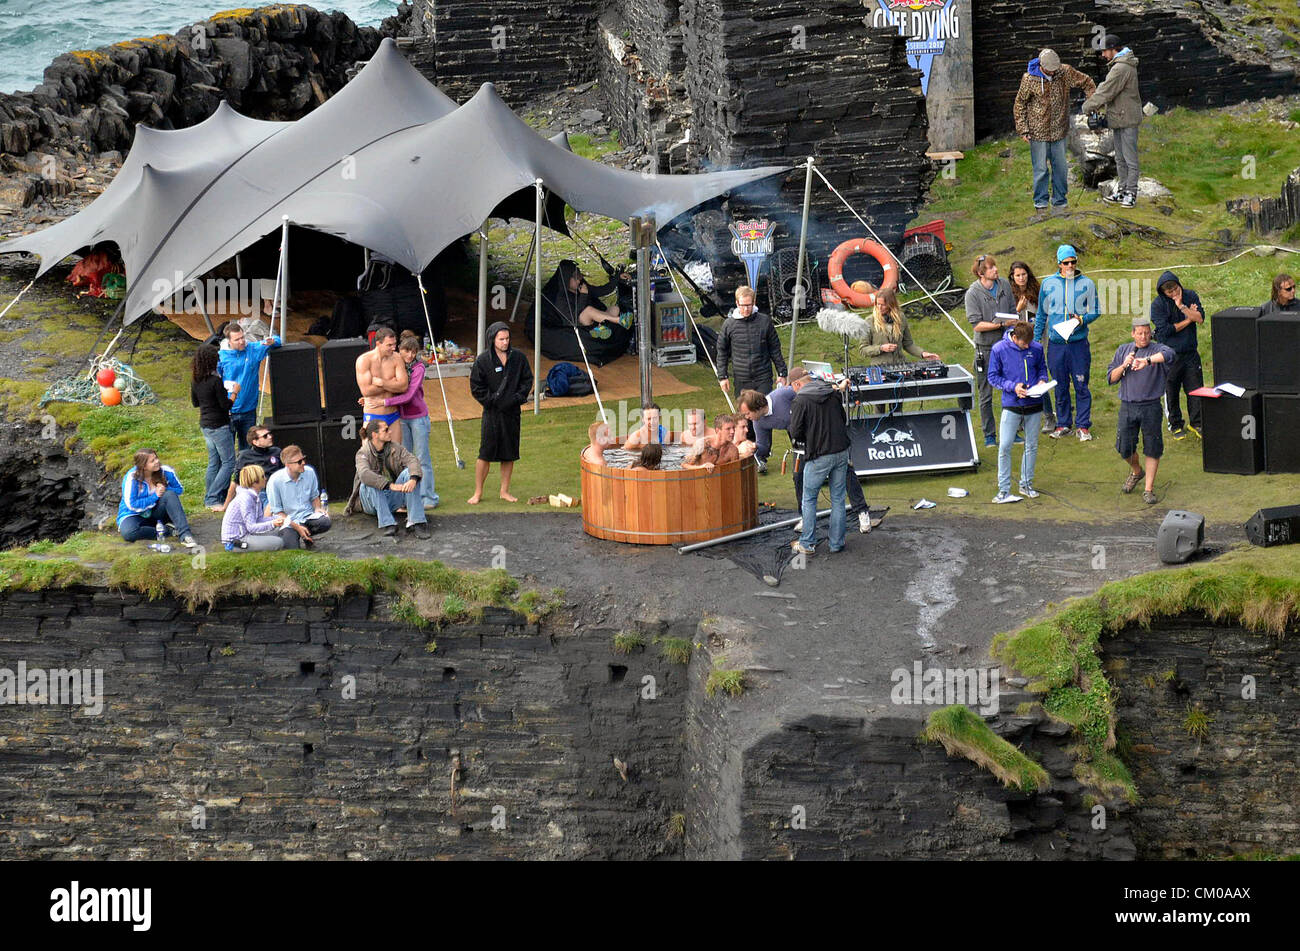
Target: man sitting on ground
[718,449]
[388,478]
[294,492]
[649,431]
[261,452]
[599,438]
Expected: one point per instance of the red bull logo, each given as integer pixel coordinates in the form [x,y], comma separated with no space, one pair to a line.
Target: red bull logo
[752,241]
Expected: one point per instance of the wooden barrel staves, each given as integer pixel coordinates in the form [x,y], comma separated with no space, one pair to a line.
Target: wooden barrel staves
[668,506]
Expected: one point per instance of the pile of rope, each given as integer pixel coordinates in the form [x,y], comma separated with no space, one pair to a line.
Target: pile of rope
[83,388]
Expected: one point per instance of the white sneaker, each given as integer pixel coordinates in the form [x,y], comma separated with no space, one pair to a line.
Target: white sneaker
[864,522]
[1084,435]
[1002,497]
[798,526]
[1028,491]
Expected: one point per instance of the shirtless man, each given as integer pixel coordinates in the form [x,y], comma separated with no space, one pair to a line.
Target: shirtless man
[716,450]
[696,427]
[744,445]
[381,373]
[649,431]
[599,438]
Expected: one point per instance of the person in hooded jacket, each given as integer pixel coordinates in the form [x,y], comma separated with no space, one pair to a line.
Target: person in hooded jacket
[572,312]
[1042,116]
[748,342]
[1017,363]
[500,380]
[817,421]
[1175,312]
[1118,92]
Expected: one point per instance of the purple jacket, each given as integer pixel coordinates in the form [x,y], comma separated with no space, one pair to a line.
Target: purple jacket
[243,517]
[411,404]
[1009,365]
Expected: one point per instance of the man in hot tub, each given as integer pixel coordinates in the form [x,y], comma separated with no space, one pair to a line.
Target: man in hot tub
[599,438]
[716,450]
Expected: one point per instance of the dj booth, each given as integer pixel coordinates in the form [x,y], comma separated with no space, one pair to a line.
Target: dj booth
[886,440]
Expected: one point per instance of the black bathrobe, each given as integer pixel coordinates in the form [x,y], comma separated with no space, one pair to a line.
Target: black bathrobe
[561,327]
[501,389]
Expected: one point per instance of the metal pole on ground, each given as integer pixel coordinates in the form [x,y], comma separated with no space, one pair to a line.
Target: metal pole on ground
[482,286]
[537,304]
[798,273]
[785,523]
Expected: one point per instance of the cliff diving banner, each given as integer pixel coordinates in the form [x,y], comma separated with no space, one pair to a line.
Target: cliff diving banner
[927,24]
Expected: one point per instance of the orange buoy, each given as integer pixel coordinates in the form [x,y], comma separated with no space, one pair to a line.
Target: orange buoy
[110,395]
[835,270]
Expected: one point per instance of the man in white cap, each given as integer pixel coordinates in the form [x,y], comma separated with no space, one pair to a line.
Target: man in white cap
[1042,114]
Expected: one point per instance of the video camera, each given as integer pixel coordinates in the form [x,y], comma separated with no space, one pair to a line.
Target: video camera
[1097,121]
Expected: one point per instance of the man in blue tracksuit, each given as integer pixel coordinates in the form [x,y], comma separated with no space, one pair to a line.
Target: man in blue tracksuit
[1063,296]
[239,366]
[1016,364]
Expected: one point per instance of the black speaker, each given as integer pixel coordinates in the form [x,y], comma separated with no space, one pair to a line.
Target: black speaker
[339,368]
[338,456]
[1281,433]
[295,382]
[1235,344]
[1232,434]
[1279,525]
[1181,536]
[1279,353]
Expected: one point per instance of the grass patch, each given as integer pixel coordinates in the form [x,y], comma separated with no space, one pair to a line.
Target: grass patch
[625,642]
[1197,723]
[964,733]
[1060,654]
[730,682]
[675,650]
[676,826]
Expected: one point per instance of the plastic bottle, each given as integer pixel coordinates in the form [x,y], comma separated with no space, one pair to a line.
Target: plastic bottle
[160,546]
[324,502]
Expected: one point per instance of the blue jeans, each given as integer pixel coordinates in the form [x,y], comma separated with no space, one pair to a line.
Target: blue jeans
[415,437]
[1006,438]
[1041,154]
[240,424]
[832,468]
[221,463]
[167,510]
[853,489]
[1070,363]
[382,502]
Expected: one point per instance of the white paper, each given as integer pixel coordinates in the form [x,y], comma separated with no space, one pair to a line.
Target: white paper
[924,504]
[1003,315]
[1232,389]
[956,493]
[1038,389]
[1067,327]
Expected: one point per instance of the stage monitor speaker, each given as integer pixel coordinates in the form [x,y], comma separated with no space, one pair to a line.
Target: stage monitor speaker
[1232,434]
[1281,433]
[1279,525]
[306,436]
[338,456]
[1181,536]
[1234,342]
[294,374]
[1279,353]
[339,368]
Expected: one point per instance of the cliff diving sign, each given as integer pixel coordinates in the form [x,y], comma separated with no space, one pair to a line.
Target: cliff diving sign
[752,242]
[927,24]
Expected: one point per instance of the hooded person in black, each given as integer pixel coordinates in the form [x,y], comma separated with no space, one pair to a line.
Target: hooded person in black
[500,380]
[817,421]
[572,310]
[1175,312]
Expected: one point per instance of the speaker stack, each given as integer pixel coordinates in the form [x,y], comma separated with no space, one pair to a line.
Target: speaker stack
[1258,353]
[315,397]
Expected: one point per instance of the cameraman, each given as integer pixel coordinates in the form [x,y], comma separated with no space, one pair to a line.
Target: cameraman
[1118,92]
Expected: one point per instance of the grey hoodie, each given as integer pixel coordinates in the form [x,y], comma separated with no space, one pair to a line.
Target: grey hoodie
[1118,92]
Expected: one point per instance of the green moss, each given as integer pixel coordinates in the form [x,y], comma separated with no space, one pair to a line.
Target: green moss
[730,682]
[675,650]
[963,733]
[1197,723]
[676,826]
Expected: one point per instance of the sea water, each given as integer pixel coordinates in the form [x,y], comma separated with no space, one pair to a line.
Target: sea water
[34,32]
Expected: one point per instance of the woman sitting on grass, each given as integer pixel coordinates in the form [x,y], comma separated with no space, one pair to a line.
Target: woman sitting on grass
[243,527]
[151,497]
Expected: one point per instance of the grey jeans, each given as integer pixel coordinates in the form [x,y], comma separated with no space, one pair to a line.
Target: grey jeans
[1126,160]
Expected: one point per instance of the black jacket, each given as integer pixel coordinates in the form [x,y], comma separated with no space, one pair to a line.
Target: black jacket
[1272,308]
[268,459]
[817,420]
[752,346]
[213,401]
[1165,313]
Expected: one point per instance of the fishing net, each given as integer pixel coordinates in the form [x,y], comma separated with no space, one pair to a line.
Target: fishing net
[83,388]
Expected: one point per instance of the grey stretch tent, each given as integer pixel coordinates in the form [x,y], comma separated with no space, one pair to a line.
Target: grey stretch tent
[388,163]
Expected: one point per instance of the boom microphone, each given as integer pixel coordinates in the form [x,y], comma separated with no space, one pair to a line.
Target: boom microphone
[836,321]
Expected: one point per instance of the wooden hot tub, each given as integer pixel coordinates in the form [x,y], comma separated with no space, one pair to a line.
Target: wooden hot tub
[668,507]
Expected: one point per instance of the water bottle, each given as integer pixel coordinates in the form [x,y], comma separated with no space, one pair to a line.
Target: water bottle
[324,502]
[160,545]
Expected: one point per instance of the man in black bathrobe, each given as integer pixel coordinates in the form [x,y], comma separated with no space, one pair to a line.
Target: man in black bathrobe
[501,380]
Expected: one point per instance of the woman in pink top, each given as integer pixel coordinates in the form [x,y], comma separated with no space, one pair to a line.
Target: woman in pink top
[414,414]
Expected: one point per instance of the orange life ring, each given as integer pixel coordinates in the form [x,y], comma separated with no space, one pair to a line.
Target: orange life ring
[835,270]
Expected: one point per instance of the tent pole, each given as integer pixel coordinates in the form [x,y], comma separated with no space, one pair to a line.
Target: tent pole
[482,287]
[798,274]
[201,296]
[239,267]
[523,278]
[275,301]
[437,365]
[284,285]
[20,294]
[537,303]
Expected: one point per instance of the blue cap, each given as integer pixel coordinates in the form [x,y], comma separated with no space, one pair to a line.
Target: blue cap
[1065,251]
